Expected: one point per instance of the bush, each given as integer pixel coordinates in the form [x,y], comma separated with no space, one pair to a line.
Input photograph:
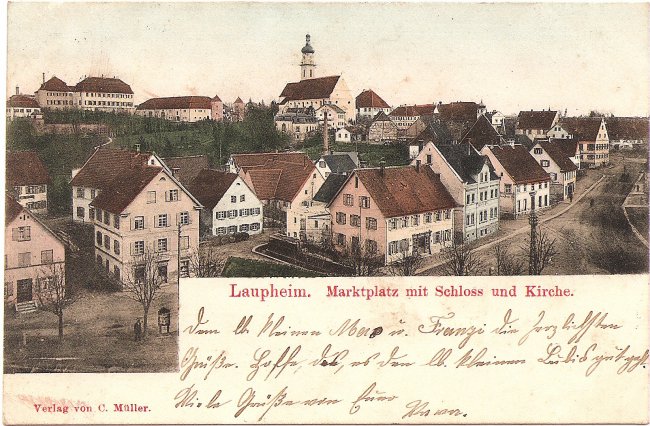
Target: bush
[241,236]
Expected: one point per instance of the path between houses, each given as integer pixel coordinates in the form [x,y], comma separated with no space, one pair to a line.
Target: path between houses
[521,230]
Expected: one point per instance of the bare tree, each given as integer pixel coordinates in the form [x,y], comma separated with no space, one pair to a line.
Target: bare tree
[363,258]
[540,247]
[406,264]
[461,259]
[207,262]
[53,294]
[142,281]
[507,263]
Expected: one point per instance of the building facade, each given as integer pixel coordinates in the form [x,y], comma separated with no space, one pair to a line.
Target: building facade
[188,109]
[368,104]
[28,180]
[22,106]
[91,94]
[593,139]
[559,167]
[382,129]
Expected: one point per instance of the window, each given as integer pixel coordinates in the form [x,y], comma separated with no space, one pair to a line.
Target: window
[404,222]
[9,289]
[221,215]
[508,188]
[47,256]
[116,246]
[185,268]
[107,218]
[340,218]
[98,238]
[138,222]
[161,245]
[364,202]
[537,150]
[355,220]
[232,229]
[171,195]
[428,217]
[371,223]
[184,218]
[429,159]
[232,214]
[138,247]
[415,220]
[256,211]
[185,242]
[340,239]
[242,198]
[392,247]
[116,272]
[403,245]
[151,197]
[24,259]
[93,193]
[244,212]
[233,198]
[107,242]
[255,226]
[162,271]
[162,221]
[243,227]
[221,230]
[80,192]
[544,163]
[22,233]
[348,200]
[321,164]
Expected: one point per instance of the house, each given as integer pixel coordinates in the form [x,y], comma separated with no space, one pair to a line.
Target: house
[524,184]
[392,212]
[405,115]
[432,131]
[216,105]
[298,125]
[482,133]
[570,149]
[471,181]
[143,216]
[187,168]
[536,124]
[368,104]
[98,172]
[343,135]
[593,139]
[458,117]
[316,91]
[337,162]
[382,129]
[627,132]
[560,167]
[238,110]
[33,253]
[229,205]
[28,179]
[282,181]
[91,94]
[558,131]
[22,106]
[313,219]
[335,116]
[498,121]
[187,109]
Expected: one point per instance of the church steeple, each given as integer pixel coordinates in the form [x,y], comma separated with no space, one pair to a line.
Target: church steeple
[307,66]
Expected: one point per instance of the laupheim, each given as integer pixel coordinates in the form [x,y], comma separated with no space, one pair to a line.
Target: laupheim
[270,292]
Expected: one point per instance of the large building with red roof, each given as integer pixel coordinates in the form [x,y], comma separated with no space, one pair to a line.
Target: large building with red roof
[91,94]
[28,179]
[392,212]
[368,104]
[593,139]
[188,109]
[21,106]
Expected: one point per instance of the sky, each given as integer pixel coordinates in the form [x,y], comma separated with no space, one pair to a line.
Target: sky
[578,57]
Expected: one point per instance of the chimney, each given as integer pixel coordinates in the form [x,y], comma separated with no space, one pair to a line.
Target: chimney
[382,165]
[137,147]
[175,171]
[326,144]
[17,90]
[417,165]
[43,78]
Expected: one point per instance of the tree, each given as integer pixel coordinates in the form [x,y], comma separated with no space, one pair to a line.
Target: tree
[53,294]
[406,264]
[208,262]
[540,247]
[142,281]
[363,259]
[461,259]
[506,262]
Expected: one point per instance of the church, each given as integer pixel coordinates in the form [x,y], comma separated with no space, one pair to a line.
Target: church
[312,92]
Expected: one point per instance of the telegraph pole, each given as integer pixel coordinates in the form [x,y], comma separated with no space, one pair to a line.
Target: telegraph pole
[178,260]
[533,254]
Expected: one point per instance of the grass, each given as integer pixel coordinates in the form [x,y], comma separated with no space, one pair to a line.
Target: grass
[238,267]
[639,218]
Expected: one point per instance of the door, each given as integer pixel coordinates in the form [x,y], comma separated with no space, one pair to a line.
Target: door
[24,291]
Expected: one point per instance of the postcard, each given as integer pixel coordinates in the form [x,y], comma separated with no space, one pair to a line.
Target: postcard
[326,213]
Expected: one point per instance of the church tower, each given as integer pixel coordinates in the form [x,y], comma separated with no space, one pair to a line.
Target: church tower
[307,66]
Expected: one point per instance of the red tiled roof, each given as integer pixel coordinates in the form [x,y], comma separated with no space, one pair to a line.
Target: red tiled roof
[313,88]
[413,110]
[558,155]
[458,111]
[369,99]
[381,116]
[482,133]
[124,188]
[536,119]
[569,147]
[276,176]
[22,101]
[187,168]
[105,164]
[26,168]
[12,209]
[582,128]
[216,98]
[55,84]
[401,191]
[177,102]
[628,128]
[209,186]
[238,100]
[103,85]
[519,164]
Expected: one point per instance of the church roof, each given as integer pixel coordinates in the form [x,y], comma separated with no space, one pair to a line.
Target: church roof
[313,88]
